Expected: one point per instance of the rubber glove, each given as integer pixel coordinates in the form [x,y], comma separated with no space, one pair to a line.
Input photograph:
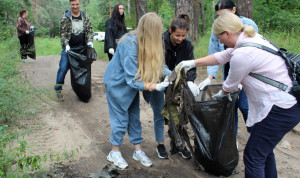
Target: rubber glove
[240,87]
[221,95]
[188,63]
[111,51]
[27,32]
[90,44]
[193,87]
[67,48]
[204,83]
[162,86]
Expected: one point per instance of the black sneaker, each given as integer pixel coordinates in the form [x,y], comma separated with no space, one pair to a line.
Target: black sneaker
[161,151]
[185,153]
[59,96]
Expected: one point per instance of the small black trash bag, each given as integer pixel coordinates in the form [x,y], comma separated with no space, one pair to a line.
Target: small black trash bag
[80,59]
[212,121]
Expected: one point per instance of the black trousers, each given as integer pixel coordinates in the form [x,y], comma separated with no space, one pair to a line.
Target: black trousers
[27,46]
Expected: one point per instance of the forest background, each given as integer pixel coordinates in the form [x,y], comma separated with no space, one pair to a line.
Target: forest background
[278,21]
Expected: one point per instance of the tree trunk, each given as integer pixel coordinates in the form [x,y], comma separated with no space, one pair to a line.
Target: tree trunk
[141,8]
[203,17]
[245,8]
[191,8]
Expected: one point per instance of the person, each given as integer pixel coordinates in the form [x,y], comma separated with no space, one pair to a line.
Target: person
[137,65]
[272,112]
[215,46]
[25,38]
[115,29]
[75,30]
[177,48]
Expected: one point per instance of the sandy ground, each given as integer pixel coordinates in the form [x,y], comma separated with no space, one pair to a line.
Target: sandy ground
[74,125]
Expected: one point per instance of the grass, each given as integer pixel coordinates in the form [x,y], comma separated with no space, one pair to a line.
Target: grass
[52,46]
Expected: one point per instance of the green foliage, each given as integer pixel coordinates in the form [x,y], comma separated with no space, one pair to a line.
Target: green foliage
[279,15]
[15,94]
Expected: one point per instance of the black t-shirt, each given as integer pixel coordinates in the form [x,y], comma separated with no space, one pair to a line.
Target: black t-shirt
[78,35]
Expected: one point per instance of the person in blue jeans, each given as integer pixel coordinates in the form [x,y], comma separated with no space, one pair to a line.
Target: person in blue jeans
[215,46]
[136,66]
[177,48]
[71,38]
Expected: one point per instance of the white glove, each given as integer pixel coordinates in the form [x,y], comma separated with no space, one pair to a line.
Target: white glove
[90,44]
[193,87]
[204,83]
[166,79]
[161,86]
[188,63]
[27,32]
[67,48]
[111,51]
[240,87]
[221,95]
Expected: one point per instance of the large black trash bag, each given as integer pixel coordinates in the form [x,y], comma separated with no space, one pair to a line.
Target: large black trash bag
[80,59]
[31,46]
[215,132]
[213,123]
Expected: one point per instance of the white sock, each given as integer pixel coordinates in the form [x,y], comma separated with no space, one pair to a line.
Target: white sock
[138,152]
[115,152]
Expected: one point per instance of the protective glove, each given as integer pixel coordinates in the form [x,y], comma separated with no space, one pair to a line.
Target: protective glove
[166,79]
[221,95]
[162,86]
[240,87]
[193,87]
[188,63]
[204,83]
[111,51]
[90,44]
[27,32]
[67,48]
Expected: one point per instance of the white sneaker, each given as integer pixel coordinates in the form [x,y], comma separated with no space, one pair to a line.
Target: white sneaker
[142,158]
[117,159]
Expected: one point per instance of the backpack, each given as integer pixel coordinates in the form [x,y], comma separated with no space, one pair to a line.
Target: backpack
[292,62]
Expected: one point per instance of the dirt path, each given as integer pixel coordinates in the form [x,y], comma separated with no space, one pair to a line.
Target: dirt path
[72,125]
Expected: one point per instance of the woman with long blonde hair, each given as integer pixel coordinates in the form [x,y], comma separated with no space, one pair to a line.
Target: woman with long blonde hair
[137,65]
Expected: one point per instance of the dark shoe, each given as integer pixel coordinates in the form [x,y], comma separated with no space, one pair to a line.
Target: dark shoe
[161,151]
[59,96]
[185,153]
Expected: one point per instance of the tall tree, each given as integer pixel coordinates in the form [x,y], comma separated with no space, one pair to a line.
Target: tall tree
[141,8]
[191,8]
[245,8]
[203,17]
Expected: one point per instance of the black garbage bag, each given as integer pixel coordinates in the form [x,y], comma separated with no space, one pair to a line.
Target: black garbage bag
[31,46]
[213,124]
[81,59]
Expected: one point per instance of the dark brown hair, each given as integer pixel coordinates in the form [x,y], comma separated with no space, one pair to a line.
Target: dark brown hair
[226,4]
[118,18]
[22,12]
[182,21]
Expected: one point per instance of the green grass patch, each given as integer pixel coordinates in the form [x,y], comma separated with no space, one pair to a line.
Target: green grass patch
[51,46]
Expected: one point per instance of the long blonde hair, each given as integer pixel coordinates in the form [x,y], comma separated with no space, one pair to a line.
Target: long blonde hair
[232,23]
[150,48]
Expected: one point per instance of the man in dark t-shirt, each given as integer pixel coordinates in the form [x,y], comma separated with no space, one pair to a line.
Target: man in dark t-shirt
[75,30]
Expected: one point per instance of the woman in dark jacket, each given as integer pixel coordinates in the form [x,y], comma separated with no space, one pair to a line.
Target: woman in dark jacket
[115,29]
[26,39]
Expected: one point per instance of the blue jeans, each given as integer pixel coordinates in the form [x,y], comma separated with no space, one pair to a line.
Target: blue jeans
[122,121]
[259,158]
[156,99]
[242,104]
[64,66]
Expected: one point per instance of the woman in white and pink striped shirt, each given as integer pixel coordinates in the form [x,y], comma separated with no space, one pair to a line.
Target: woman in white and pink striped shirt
[272,112]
